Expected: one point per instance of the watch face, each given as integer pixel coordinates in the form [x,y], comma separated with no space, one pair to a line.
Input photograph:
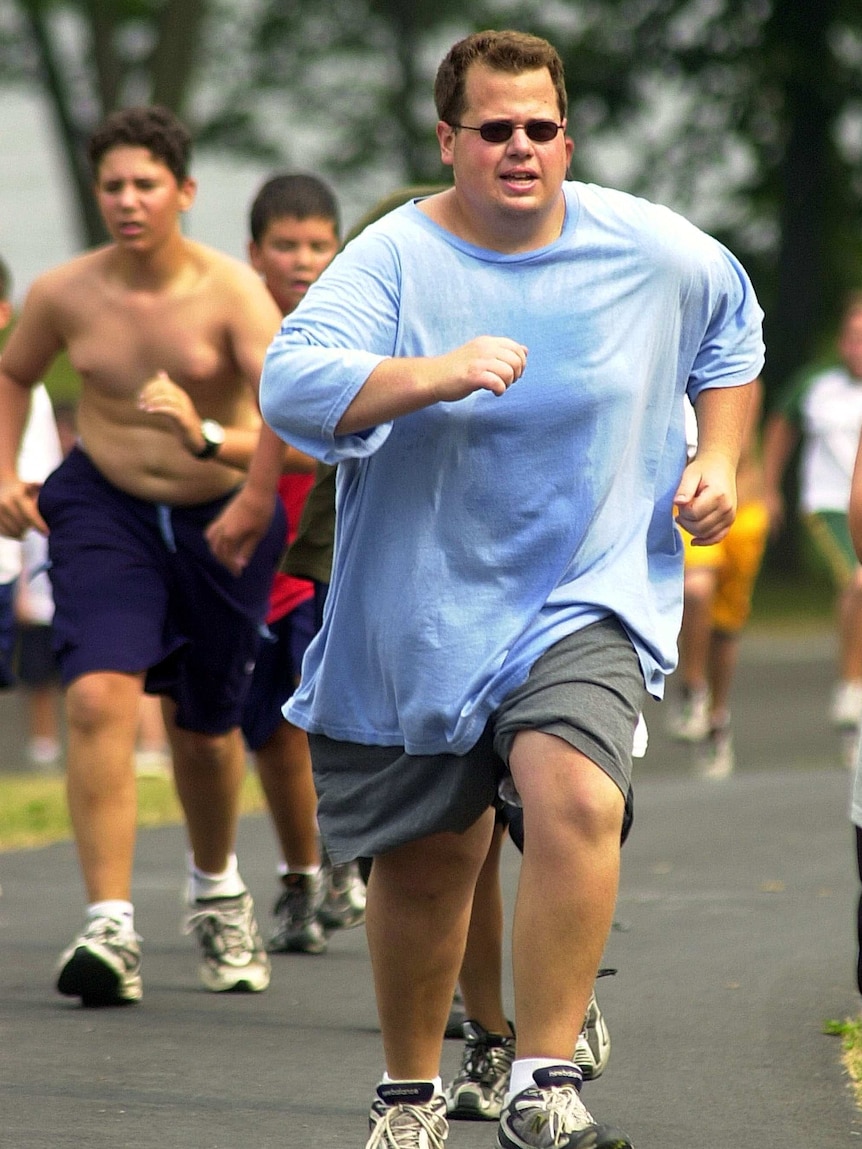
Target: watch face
[213,432]
[213,436]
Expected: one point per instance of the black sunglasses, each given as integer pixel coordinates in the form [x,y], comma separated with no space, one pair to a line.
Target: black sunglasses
[498,131]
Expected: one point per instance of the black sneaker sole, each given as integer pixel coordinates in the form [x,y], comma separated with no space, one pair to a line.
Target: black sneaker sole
[87,977]
[596,1137]
[469,1109]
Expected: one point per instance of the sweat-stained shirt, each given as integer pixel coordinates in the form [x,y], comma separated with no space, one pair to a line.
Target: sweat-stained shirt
[473,535]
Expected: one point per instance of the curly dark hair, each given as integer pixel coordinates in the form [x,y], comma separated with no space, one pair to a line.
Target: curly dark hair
[151,127]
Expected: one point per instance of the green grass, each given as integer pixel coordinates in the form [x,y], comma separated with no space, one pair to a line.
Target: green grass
[799,600]
[62,382]
[850,1032]
[33,808]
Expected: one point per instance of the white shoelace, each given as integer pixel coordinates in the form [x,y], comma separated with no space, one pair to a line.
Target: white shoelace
[409,1127]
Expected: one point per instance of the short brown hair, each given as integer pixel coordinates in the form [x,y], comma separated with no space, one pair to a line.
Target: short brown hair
[506,51]
[152,127]
[293,195]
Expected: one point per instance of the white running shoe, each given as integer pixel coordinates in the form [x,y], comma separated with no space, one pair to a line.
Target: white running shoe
[407,1115]
[715,757]
[846,708]
[233,955]
[297,928]
[102,966]
[688,717]
[551,1115]
[344,900]
[593,1049]
[479,1088]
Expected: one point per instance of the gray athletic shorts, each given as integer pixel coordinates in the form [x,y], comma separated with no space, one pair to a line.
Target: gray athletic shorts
[587,689]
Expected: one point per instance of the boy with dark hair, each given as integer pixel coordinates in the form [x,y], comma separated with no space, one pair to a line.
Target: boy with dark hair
[293,223]
[162,558]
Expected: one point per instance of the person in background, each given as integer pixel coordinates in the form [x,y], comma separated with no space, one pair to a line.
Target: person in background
[10,549]
[36,665]
[854,524]
[186,545]
[294,226]
[718,587]
[26,603]
[823,408]
[507,574]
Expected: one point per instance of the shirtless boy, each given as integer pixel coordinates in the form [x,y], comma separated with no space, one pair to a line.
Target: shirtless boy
[161,561]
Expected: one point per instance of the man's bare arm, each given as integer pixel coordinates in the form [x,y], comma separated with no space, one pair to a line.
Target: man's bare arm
[706,496]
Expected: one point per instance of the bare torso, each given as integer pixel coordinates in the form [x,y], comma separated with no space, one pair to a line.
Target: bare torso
[207,326]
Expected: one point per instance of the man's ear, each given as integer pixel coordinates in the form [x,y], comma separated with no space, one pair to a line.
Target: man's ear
[446,139]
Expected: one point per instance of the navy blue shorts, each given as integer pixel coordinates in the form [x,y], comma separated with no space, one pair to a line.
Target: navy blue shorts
[276,672]
[7,632]
[137,589]
[36,663]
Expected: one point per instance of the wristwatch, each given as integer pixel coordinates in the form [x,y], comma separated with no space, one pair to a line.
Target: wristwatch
[213,434]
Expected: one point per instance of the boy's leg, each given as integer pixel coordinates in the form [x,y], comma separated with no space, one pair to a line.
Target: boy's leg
[102,710]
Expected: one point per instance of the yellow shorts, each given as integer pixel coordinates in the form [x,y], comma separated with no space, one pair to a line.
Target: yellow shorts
[736,561]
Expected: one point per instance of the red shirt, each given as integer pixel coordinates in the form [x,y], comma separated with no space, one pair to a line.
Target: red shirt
[287,591]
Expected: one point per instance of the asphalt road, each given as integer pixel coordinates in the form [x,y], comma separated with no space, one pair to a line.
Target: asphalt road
[734,940]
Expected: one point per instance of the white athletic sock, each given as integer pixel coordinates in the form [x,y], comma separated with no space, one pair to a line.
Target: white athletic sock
[523,1068]
[437,1081]
[203,886]
[116,908]
[283,869]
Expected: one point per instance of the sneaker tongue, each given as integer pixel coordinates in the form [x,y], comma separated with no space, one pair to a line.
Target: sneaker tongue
[551,1075]
[405,1092]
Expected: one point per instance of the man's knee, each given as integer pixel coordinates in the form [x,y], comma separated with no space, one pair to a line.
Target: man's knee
[566,792]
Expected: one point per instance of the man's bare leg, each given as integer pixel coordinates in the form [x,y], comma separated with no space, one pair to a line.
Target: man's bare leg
[567,890]
[102,715]
[417,916]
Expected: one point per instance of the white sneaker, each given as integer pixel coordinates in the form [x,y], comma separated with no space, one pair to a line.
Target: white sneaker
[297,928]
[847,704]
[551,1115]
[102,966]
[407,1115]
[715,756]
[688,719]
[480,1085]
[344,901]
[593,1049]
[233,953]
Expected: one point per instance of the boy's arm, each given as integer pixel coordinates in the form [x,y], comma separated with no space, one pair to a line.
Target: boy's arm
[235,533]
[162,397]
[855,511]
[29,351]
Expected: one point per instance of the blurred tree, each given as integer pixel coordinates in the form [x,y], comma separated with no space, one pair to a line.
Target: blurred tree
[92,56]
[745,115]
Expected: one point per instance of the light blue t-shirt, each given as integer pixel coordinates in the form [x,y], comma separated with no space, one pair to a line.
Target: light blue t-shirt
[473,535]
